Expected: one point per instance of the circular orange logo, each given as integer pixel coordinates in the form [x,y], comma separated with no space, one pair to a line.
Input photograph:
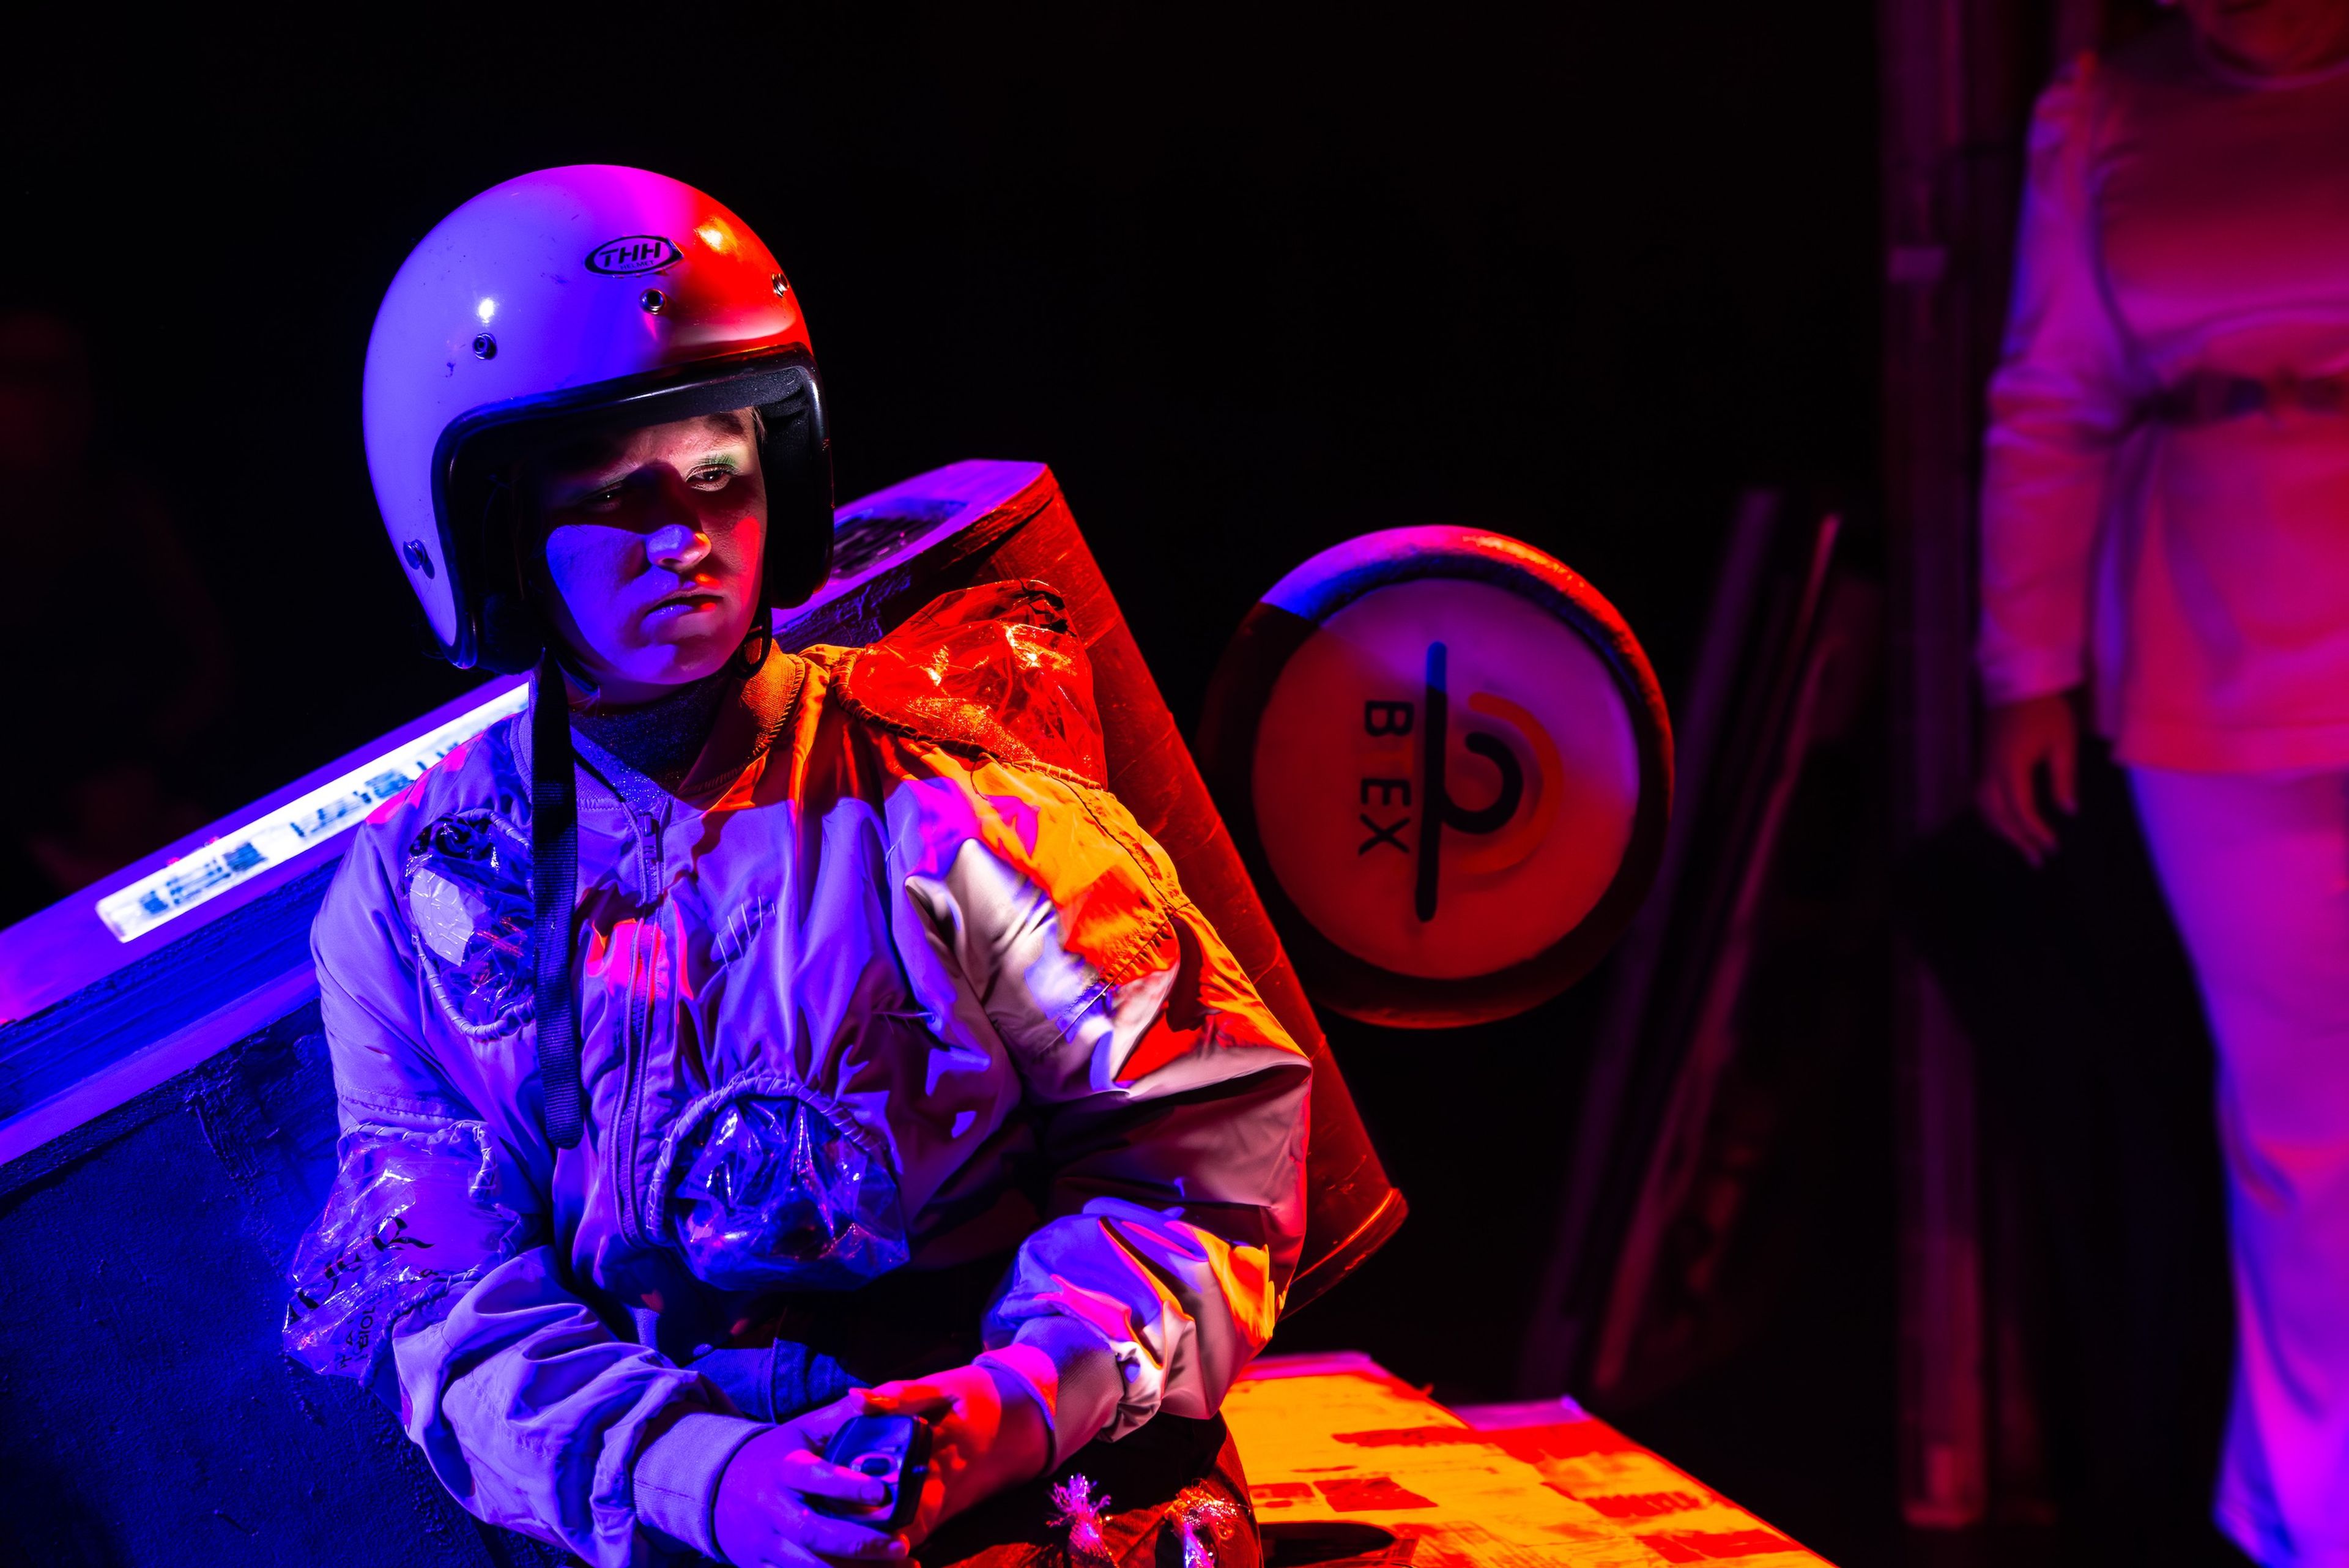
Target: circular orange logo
[1444,752]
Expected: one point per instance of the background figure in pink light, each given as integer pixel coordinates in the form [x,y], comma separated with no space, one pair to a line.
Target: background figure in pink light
[112,639]
[2166,524]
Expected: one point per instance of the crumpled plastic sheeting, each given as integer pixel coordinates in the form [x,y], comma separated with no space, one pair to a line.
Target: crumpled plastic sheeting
[468,879]
[412,1222]
[992,668]
[771,1191]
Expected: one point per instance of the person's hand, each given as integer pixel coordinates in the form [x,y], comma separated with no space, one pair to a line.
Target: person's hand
[761,1518]
[2018,740]
[987,1433]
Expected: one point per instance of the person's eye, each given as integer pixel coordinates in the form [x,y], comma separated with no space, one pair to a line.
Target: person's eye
[604,499]
[711,476]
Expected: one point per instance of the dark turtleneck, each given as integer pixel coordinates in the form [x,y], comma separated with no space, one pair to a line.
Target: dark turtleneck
[662,738]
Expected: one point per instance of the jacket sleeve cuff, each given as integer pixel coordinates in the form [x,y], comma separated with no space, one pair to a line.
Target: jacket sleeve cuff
[1070,1371]
[676,1476]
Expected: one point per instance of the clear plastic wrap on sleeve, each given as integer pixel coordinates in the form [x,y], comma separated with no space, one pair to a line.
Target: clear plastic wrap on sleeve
[412,1220]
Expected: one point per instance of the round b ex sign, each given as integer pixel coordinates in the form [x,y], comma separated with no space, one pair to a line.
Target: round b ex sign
[1449,768]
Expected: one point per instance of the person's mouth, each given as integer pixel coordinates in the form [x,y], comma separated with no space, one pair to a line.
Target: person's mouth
[683,603]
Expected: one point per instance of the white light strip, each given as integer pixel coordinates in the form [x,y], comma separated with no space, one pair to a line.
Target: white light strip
[246,852]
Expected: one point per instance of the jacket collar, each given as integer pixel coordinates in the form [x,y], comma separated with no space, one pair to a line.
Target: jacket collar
[753,714]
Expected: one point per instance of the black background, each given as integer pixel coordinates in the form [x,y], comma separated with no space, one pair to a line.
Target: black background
[1250,285]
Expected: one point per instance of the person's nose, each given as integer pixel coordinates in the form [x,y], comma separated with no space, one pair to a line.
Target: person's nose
[677,546]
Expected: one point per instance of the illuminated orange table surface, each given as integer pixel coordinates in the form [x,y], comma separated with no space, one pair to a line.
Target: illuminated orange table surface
[1337,1439]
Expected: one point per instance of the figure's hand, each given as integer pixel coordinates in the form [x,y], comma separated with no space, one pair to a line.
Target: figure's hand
[987,1433]
[761,1518]
[2017,739]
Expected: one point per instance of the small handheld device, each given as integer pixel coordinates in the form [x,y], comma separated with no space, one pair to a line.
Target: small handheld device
[891,1449]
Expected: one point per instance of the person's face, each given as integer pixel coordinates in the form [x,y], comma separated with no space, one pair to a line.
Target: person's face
[654,539]
[2274,37]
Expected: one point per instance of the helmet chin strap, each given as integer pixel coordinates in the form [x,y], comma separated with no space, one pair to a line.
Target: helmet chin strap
[759,642]
[554,893]
[554,873]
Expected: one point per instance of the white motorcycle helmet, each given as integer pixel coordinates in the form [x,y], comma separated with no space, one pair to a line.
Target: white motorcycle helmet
[563,299]
[558,303]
